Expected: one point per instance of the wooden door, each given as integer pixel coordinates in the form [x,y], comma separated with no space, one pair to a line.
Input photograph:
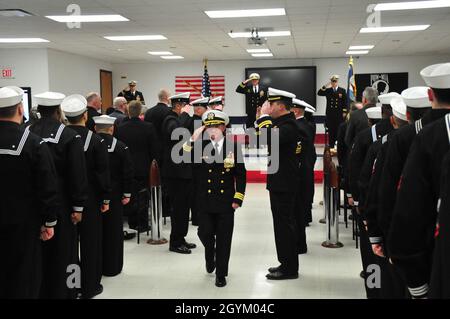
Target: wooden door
[106,89]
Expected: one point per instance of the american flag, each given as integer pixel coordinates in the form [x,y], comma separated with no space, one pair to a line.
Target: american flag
[206,85]
[194,84]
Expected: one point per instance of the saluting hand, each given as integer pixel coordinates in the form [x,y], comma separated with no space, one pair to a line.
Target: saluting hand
[76,217]
[266,109]
[186,109]
[47,233]
[235,206]
[197,133]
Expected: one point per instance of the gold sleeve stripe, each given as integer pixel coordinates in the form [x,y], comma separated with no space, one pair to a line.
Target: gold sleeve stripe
[242,85]
[239,196]
[264,123]
[187,148]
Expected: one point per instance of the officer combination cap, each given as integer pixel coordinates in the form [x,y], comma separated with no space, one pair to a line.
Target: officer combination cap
[334,77]
[310,109]
[416,97]
[201,102]
[10,96]
[254,76]
[387,98]
[132,83]
[104,119]
[74,105]
[216,101]
[279,95]
[300,104]
[215,117]
[49,98]
[374,113]
[399,108]
[437,76]
[182,97]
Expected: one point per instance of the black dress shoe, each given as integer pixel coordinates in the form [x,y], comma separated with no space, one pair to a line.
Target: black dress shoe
[190,245]
[180,250]
[221,281]
[278,275]
[210,267]
[362,274]
[274,269]
[128,236]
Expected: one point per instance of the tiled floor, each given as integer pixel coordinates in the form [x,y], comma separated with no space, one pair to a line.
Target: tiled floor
[154,272]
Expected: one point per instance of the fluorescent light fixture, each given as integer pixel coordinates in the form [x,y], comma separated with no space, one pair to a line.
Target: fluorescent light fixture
[246,13]
[14,13]
[395,29]
[262,55]
[22,40]
[160,53]
[261,34]
[172,57]
[88,18]
[258,50]
[361,47]
[357,52]
[412,5]
[136,38]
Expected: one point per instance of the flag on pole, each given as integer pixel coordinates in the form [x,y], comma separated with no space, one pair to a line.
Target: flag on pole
[206,84]
[351,84]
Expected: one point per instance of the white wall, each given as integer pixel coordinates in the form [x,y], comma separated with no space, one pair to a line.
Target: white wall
[70,73]
[30,68]
[153,76]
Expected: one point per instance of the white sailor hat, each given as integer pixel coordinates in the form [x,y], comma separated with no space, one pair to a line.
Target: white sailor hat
[254,76]
[10,96]
[182,97]
[278,95]
[334,77]
[387,98]
[416,97]
[399,108]
[216,101]
[374,113]
[104,119]
[437,76]
[74,105]
[49,98]
[300,103]
[215,117]
[201,102]
[310,109]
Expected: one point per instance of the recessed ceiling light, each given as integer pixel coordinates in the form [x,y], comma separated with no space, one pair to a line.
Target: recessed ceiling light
[160,53]
[395,29]
[225,46]
[395,40]
[22,40]
[89,18]
[258,50]
[361,47]
[281,44]
[172,57]
[246,13]
[261,34]
[412,5]
[357,52]
[337,42]
[14,13]
[136,38]
[261,55]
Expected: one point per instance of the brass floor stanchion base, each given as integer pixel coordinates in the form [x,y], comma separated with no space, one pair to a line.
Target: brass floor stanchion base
[323,221]
[328,244]
[161,241]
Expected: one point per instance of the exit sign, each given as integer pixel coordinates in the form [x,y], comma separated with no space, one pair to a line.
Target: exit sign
[6,73]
